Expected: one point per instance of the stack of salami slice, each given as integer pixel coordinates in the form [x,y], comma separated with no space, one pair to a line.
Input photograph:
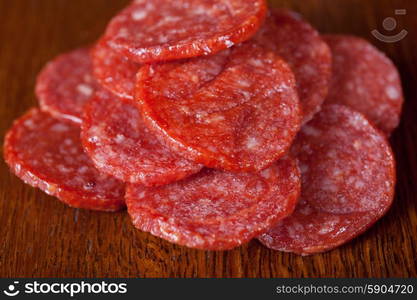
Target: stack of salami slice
[216,122]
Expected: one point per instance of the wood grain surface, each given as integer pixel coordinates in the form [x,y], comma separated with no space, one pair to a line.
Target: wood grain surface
[40,237]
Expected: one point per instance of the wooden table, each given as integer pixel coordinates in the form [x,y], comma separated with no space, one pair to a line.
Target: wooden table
[41,237]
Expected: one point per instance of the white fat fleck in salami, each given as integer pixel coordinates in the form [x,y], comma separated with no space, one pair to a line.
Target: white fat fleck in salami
[348,180]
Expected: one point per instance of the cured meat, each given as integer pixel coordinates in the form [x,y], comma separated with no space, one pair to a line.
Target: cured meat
[65,84]
[216,210]
[115,137]
[301,46]
[237,110]
[114,71]
[348,179]
[161,30]
[46,153]
[365,80]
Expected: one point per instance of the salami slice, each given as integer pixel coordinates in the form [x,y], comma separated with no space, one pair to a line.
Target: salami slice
[216,210]
[365,80]
[301,46]
[119,144]
[46,153]
[237,110]
[114,71]
[161,30]
[65,84]
[348,179]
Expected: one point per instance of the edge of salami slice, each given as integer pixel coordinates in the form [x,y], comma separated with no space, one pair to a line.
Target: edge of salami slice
[164,49]
[237,110]
[118,142]
[366,80]
[348,179]
[53,161]
[215,210]
[114,71]
[294,39]
[65,84]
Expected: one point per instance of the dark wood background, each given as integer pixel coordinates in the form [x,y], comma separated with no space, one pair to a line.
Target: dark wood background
[40,237]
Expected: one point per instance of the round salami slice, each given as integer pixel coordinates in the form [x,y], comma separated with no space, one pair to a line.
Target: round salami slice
[160,30]
[348,179]
[115,137]
[365,80]
[114,71]
[216,210]
[237,110]
[301,46]
[65,84]
[46,153]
